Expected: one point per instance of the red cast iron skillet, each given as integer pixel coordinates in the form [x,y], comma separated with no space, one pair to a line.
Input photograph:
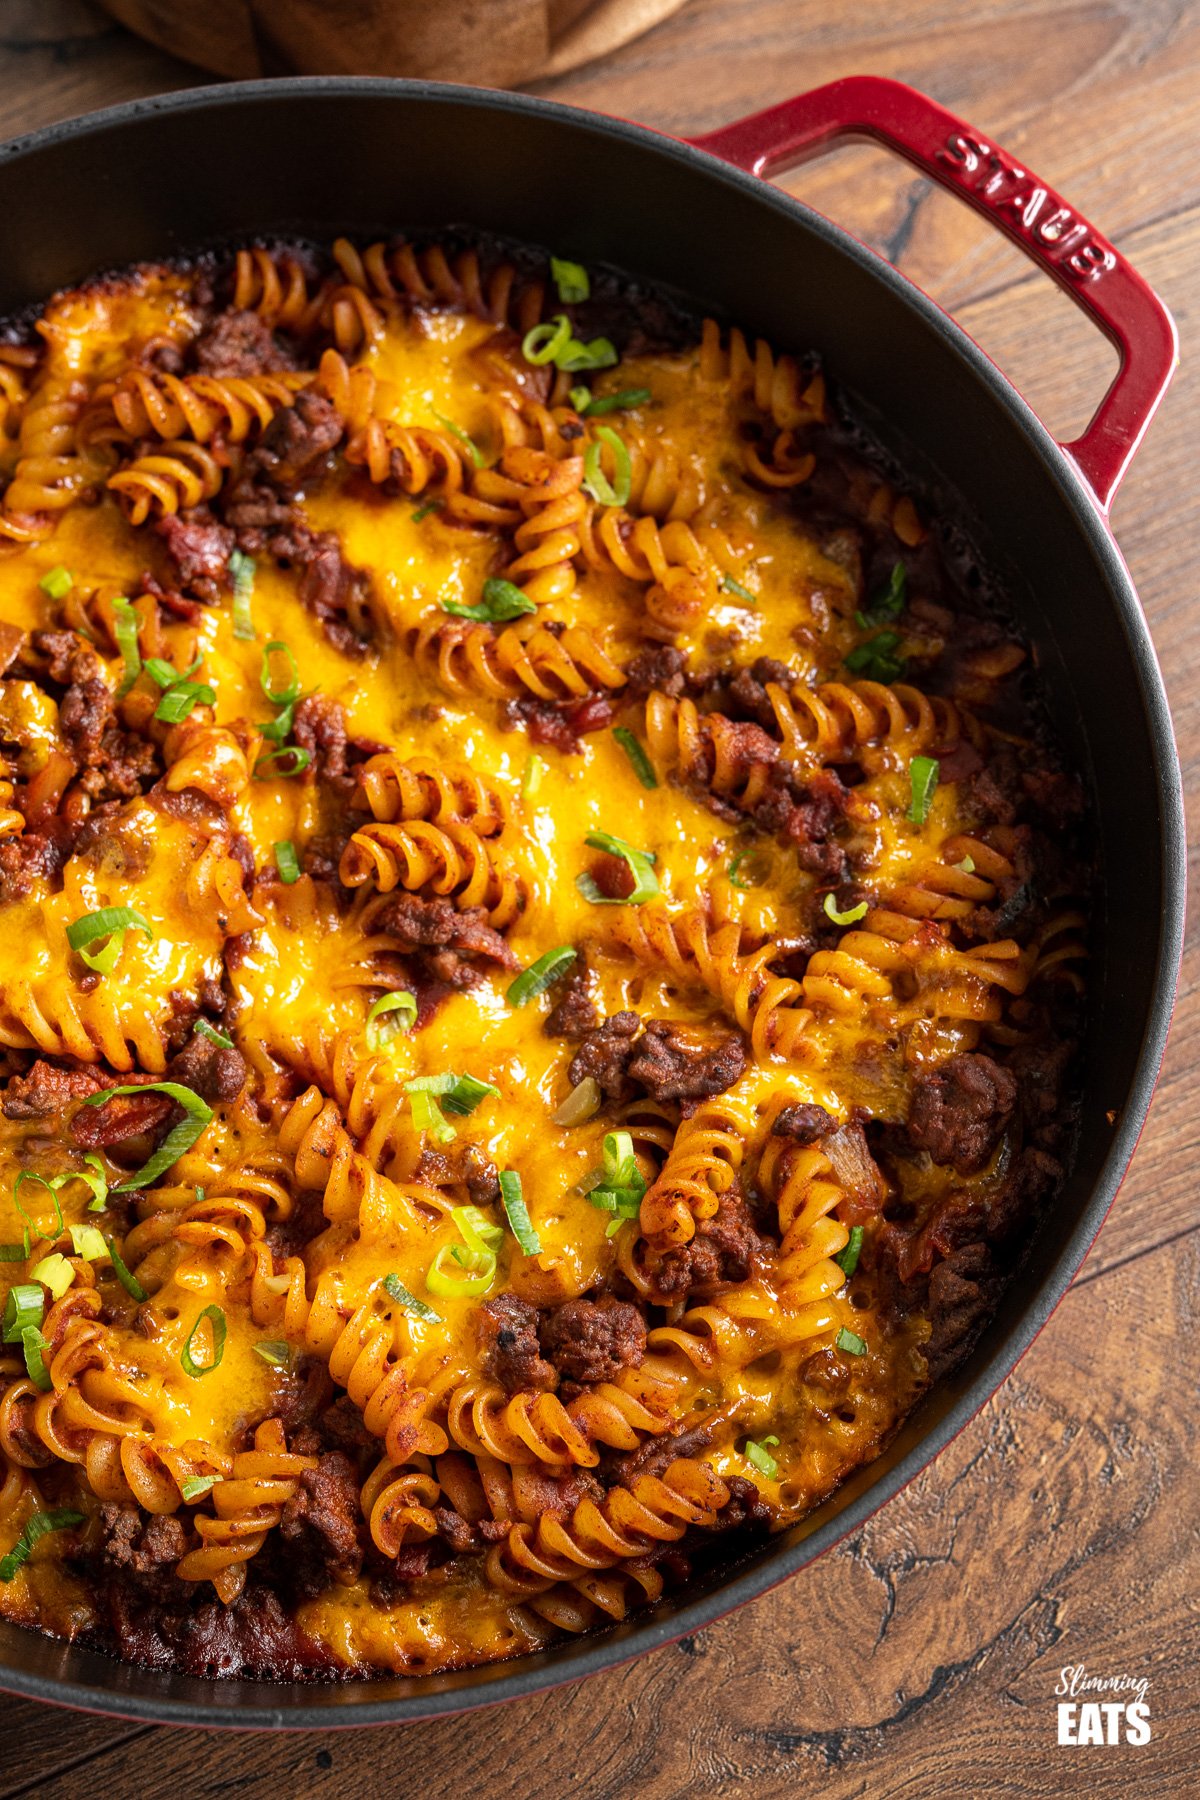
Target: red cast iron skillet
[320,157]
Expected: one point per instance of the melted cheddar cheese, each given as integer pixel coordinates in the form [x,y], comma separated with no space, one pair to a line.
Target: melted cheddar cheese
[359,656]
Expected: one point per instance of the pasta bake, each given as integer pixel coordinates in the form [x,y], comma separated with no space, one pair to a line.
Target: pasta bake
[541,944]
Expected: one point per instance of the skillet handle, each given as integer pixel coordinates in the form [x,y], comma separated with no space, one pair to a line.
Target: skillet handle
[1056,237]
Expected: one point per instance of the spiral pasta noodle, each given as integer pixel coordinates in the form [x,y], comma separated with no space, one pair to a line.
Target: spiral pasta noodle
[247,1504]
[50,473]
[841,718]
[431,277]
[655,1510]
[542,952]
[695,952]
[442,794]
[276,288]
[453,860]
[777,385]
[526,657]
[150,403]
[705,749]
[182,475]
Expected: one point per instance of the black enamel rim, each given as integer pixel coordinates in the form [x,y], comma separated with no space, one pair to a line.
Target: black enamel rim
[494,1683]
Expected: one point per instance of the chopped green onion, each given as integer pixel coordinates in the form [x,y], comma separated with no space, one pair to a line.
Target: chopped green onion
[179,700]
[111,922]
[618,1186]
[202,1028]
[61,1518]
[97,1182]
[54,1272]
[300,761]
[728,585]
[288,695]
[851,1343]
[553,343]
[474,1279]
[241,571]
[878,660]
[130,1283]
[88,1242]
[13,1253]
[423,512]
[851,917]
[190,1365]
[25,1306]
[888,602]
[611,403]
[598,354]
[34,1344]
[165,674]
[571,280]
[967,865]
[277,729]
[618,1154]
[531,779]
[276,1351]
[52,1188]
[427,1116]
[761,1457]
[181,1137]
[197,1485]
[287,862]
[546,343]
[758,871]
[478,1233]
[640,862]
[923,778]
[595,481]
[126,626]
[403,1005]
[396,1290]
[57,583]
[466,1095]
[847,1259]
[643,768]
[502,600]
[431,1084]
[580,398]
[461,1093]
[463,438]
[540,975]
[518,1212]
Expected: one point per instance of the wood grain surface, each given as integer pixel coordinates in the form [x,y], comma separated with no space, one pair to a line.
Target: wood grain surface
[920,1658]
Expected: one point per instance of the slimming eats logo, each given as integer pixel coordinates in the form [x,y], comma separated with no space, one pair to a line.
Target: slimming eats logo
[1084,1720]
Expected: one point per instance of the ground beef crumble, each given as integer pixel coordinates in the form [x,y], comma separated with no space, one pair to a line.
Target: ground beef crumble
[240,345]
[199,550]
[960,1108]
[725,1248]
[997,1125]
[322,1520]
[593,1340]
[508,1340]
[448,941]
[667,1061]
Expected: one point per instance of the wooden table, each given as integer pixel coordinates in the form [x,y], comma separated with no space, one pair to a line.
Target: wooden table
[1061,1528]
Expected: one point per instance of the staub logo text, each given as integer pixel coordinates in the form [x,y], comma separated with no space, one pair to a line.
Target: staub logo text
[1033,212]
